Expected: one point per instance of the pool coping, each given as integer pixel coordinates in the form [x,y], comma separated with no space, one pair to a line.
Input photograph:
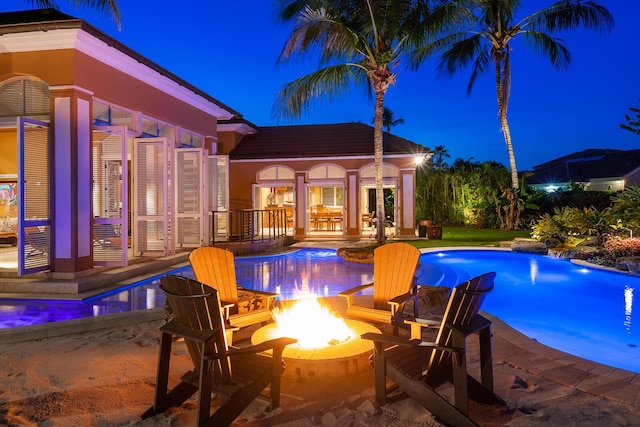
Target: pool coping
[516,349]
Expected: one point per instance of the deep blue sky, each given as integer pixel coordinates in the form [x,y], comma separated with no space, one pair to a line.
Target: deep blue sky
[229,50]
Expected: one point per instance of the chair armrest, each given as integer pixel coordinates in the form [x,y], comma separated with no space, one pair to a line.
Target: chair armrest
[401,299]
[417,324]
[349,292]
[174,328]
[226,306]
[396,340]
[389,339]
[258,348]
[262,293]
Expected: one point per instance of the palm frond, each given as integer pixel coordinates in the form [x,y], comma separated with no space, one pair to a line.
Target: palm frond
[550,47]
[461,53]
[480,65]
[571,14]
[327,83]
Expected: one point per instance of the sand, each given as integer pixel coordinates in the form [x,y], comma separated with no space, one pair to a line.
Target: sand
[106,378]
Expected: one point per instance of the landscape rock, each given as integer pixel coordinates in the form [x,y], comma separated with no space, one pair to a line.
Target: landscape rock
[630,264]
[583,252]
[531,246]
[359,255]
[552,242]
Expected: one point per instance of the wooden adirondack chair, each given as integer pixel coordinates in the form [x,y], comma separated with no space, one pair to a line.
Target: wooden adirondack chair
[419,367]
[394,267]
[239,374]
[215,267]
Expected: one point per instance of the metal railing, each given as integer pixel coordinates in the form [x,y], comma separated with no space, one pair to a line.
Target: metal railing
[248,225]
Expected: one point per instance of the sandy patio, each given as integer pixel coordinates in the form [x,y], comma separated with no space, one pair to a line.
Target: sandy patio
[106,377]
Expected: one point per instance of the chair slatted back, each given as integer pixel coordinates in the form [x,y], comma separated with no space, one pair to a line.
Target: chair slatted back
[196,306]
[215,267]
[394,267]
[462,309]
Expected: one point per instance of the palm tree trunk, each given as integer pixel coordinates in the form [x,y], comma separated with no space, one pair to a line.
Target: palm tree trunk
[377,151]
[502,93]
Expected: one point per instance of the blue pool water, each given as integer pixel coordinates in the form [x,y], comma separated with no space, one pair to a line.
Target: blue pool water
[587,312]
[583,311]
[326,275]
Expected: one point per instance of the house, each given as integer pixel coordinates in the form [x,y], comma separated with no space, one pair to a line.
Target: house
[108,157]
[596,169]
[323,174]
[107,151]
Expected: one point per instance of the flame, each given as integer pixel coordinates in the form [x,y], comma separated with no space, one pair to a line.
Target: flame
[311,322]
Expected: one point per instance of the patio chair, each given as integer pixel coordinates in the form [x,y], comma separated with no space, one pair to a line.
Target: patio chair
[106,236]
[244,307]
[239,374]
[419,368]
[394,267]
[37,241]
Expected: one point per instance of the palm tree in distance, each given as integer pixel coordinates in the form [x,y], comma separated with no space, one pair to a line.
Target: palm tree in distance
[486,39]
[632,121]
[439,154]
[388,120]
[359,42]
[108,6]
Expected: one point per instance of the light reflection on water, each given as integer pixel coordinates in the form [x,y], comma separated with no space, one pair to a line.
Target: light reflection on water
[327,275]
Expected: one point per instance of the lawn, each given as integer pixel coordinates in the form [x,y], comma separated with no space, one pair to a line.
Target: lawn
[461,236]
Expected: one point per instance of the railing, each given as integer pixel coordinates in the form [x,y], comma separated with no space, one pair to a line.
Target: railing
[248,225]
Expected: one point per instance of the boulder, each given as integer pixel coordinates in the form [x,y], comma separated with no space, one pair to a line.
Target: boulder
[359,255]
[630,264]
[583,252]
[532,246]
[552,242]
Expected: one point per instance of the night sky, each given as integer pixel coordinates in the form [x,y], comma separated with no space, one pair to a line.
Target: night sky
[230,49]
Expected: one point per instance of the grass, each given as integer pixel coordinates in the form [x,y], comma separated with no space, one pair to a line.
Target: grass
[461,236]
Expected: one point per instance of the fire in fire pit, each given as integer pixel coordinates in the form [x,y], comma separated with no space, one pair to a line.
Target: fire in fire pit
[311,322]
[328,346]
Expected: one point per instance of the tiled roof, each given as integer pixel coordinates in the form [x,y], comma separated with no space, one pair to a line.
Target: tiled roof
[328,140]
[587,165]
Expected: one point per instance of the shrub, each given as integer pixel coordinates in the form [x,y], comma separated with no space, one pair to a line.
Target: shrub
[617,247]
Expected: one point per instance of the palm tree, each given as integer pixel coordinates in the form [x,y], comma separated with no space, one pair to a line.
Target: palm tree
[487,37]
[388,120]
[439,154]
[632,121]
[359,42]
[108,6]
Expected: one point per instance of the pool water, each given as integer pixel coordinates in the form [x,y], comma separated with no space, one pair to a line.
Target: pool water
[582,311]
[317,271]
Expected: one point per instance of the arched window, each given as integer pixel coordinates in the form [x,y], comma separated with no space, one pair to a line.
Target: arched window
[25,96]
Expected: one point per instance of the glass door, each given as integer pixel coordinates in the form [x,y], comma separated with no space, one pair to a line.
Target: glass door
[34,227]
[110,228]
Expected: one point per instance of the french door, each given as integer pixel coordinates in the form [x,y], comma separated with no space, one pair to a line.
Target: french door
[152,196]
[110,228]
[190,187]
[34,226]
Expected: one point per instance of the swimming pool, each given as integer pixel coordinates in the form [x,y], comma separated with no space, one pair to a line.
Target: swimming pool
[327,275]
[582,311]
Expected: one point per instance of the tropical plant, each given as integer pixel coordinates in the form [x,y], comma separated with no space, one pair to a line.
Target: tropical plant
[486,40]
[359,42]
[388,120]
[108,6]
[626,207]
[439,154]
[632,121]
